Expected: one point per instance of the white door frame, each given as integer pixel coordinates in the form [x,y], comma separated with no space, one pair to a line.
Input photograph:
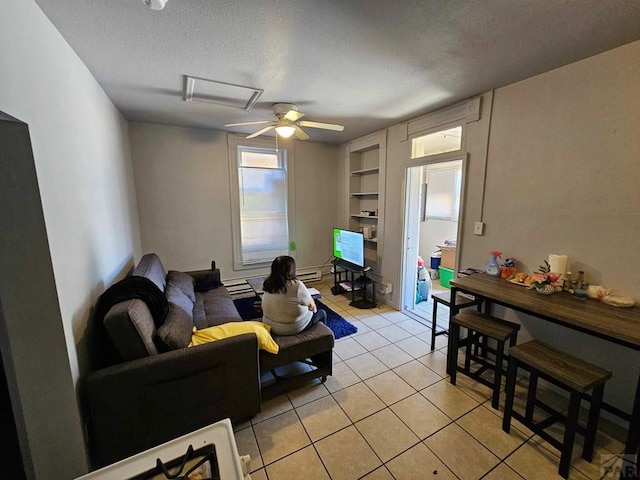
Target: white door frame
[411,218]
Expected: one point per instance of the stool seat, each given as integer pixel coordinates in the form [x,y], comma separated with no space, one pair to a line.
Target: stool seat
[445,299]
[480,325]
[567,369]
[484,324]
[461,300]
[568,372]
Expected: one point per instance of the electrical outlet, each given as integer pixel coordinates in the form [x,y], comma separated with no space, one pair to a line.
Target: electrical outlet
[388,288]
[478,228]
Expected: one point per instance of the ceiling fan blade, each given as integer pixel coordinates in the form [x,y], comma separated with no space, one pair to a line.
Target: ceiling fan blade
[260,132]
[326,126]
[301,134]
[293,115]
[247,123]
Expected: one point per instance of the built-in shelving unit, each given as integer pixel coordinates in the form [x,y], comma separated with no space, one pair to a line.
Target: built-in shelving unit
[366,167]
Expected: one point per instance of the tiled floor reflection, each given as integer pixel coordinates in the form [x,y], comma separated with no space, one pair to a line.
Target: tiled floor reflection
[389,412]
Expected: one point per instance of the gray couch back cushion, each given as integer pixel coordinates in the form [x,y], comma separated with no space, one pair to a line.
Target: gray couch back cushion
[176,330]
[183,281]
[151,267]
[132,330]
[177,297]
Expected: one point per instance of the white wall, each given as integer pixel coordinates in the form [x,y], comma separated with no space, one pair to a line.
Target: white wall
[434,232]
[82,161]
[184,199]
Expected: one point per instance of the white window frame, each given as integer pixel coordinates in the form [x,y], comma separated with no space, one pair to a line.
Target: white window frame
[233,143]
[439,129]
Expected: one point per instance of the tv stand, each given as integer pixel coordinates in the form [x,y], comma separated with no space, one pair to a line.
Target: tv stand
[344,281]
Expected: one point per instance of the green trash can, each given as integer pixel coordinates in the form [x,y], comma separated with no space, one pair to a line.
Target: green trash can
[446,275]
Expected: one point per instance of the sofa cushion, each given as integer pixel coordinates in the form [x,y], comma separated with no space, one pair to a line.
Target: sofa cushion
[183,281]
[214,307]
[131,328]
[233,329]
[176,296]
[151,267]
[175,332]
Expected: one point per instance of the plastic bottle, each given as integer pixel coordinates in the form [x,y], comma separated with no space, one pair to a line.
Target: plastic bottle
[493,267]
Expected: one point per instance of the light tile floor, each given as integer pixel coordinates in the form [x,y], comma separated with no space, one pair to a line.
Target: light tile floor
[389,412]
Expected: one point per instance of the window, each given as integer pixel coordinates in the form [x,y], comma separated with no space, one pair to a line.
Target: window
[443,185]
[262,225]
[443,141]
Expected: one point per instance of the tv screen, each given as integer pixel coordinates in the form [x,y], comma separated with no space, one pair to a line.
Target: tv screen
[348,246]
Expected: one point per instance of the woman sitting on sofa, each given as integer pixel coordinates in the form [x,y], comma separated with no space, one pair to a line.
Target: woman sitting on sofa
[287,305]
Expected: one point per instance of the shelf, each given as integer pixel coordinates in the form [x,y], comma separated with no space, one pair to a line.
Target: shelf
[365,171]
[365,189]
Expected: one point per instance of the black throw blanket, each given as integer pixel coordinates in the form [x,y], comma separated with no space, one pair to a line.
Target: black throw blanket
[103,352]
[134,287]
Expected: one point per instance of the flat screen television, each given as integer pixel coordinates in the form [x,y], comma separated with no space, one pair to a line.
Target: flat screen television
[348,247]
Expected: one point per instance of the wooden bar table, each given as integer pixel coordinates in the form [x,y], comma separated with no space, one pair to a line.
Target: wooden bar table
[613,324]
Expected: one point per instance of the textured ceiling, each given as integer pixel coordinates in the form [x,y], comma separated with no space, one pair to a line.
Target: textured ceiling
[367,64]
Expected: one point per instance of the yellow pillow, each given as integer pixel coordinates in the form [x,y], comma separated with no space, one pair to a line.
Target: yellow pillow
[232,329]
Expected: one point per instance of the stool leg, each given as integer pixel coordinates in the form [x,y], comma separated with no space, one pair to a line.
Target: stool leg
[433,325]
[632,445]
[477,346]
[497,377]
[471,341]
[483,348]
[531,395]
[569,434]
[452,352]
[592,423]
[512,369]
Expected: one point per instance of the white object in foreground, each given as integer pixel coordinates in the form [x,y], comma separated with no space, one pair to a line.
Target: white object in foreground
[219,434]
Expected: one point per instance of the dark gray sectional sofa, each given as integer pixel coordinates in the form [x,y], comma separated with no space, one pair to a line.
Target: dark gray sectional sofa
[157,393]
[156,388]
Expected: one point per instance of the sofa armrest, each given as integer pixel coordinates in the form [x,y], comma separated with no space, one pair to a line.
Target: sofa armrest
[139,404]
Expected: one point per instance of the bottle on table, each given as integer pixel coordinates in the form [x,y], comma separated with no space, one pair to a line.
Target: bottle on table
[493,267]
[581,286]
[566,284]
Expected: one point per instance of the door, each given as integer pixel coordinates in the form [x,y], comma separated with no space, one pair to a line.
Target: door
[411,237]
[431,217]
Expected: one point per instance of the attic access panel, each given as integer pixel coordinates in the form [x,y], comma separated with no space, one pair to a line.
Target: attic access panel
[204,90]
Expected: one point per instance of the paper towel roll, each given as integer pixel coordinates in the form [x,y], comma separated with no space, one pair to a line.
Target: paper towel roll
[558,264]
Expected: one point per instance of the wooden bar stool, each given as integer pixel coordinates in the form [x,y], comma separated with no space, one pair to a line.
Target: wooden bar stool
[571,373]
[485,326]
[445,299]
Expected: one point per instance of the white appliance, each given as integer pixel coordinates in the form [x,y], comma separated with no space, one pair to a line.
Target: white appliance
[220,435]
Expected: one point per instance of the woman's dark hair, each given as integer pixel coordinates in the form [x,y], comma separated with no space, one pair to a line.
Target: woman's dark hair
[283,272]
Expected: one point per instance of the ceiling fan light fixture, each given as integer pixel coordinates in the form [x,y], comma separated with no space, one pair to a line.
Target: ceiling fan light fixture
[155,4]
[285,131]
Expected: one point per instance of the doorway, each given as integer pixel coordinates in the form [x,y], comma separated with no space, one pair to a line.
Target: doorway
[432,214]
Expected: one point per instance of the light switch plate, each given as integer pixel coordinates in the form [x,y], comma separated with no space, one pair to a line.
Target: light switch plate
[478,228]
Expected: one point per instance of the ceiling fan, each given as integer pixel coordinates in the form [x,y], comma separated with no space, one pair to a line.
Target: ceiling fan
[287,124]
